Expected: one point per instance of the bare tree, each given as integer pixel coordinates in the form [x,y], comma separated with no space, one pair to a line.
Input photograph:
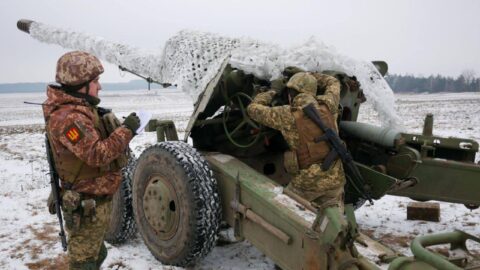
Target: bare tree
[469,75]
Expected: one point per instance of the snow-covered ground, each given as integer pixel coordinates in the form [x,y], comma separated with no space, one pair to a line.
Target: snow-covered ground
[28,234]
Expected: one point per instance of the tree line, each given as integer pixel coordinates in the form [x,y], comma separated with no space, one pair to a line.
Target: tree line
[466,82]
[40,87]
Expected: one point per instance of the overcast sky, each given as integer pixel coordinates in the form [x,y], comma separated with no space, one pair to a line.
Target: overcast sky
[417,37]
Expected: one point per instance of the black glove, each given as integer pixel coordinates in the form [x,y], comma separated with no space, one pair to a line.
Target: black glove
[132,122]
[291,70]
[278,85]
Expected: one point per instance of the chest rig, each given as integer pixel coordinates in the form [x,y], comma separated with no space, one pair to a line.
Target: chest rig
[71,169]
[310,150]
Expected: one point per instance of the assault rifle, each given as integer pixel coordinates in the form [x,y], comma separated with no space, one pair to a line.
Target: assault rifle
[55,185]
[338,149]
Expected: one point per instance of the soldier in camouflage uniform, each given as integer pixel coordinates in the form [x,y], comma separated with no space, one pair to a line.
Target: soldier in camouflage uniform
[304,160]
[86,155]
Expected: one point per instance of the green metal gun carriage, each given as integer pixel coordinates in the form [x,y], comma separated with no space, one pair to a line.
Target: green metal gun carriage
[247,164]
[232,172]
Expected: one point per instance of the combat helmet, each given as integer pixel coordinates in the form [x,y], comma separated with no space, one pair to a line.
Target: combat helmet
[77,68]
[303,82]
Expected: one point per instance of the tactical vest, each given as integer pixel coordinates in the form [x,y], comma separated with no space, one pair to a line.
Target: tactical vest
[308,151]
[71,169]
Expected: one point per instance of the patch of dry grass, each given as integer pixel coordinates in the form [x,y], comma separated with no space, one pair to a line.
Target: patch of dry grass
[9,130]
[47,233]
[46,237]
[118,265]
[58,263]
[390,239]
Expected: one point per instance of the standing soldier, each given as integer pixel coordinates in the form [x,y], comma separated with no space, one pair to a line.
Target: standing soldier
[305,156]
[86,155]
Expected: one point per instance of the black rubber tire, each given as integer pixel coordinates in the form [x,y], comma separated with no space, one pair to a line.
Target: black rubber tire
[122,221]
[198,205]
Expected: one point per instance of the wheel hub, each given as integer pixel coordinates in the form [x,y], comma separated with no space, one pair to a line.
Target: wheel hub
[160,207]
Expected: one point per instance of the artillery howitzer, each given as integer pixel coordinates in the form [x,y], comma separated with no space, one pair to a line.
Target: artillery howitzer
[234,172]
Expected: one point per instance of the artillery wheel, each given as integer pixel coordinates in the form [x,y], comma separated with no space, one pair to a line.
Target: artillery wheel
[233,102]
[122,222]
[176,203]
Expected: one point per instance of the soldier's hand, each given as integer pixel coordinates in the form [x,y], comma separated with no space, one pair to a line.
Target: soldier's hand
[51,204]
[271,92]
[278,85]
[132,122]
[260,89]
[291,70]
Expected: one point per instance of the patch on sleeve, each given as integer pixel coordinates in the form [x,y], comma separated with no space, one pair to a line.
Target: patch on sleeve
[73,134]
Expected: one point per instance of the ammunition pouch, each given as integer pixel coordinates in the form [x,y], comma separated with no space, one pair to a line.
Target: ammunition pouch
[290,162]
[88,209]
[71,201]
[89,204]
[78,206]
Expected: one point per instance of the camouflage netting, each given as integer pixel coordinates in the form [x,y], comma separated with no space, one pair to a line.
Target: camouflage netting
[191,59]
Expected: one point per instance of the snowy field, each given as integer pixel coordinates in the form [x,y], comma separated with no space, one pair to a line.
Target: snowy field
[28,234]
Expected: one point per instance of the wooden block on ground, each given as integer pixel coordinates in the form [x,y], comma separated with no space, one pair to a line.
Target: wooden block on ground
[423,211]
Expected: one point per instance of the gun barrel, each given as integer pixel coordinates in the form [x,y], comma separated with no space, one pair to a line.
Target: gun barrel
[24,25]
[150,64]
[386,137]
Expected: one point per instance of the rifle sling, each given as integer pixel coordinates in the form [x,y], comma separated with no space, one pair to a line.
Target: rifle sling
[332,156]
[356,178]
[322,138]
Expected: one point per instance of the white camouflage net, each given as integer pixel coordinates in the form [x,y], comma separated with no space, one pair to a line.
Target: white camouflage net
[191,59]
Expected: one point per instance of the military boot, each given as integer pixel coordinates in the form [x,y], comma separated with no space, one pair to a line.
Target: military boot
[87,265]
[102,255]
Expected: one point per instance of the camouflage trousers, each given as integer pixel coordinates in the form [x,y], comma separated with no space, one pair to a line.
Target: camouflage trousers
[86,249]
[322,188]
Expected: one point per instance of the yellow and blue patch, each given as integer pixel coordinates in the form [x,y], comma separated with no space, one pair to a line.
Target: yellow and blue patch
[73,134]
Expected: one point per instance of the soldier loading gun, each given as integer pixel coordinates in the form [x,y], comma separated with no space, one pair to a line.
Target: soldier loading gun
[317,174]
[303,161]
[330,98]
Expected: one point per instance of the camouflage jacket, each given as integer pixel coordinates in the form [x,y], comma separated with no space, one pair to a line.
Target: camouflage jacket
[281,118]
[70,124]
